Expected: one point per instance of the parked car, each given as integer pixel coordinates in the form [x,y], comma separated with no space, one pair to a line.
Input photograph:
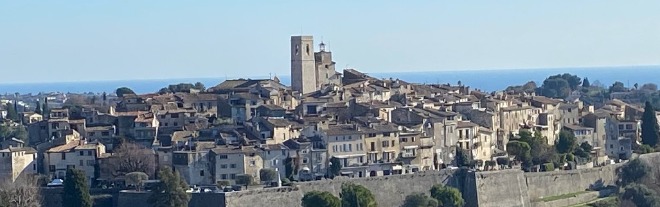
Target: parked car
[55,183]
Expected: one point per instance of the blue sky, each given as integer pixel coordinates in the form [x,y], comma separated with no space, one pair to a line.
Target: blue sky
[113,40]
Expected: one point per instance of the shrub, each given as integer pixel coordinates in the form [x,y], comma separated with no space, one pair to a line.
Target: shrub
[447,196]
[548,167]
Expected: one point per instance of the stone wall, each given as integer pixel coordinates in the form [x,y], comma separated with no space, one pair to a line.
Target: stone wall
[388,190]
[544,184]
[501,188]
[134,199]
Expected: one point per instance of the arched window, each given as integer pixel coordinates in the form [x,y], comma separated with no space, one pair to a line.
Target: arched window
[307,49]
[297,49]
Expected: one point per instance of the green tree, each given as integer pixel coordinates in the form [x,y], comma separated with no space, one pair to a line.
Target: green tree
[45,108]
[135,179]
[463,158]
[650,128]
[20,132]
[584,151]
[447,196]
[12,114]
[76,189]
[171,191]
[617,87]
[320,199]
[244,179]
[123,91]
[566,143]
[353,195]
[520,150]
[289,168]
[633,171]
[38,108]
[267,175]
[419,200]
[335,167]
[585,83]
[199,86]
[641,195]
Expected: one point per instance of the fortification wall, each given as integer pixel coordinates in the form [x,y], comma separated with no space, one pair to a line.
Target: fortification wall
[544,184]
[501,188]
[388,190]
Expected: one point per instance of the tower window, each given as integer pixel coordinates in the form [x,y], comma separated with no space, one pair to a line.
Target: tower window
[307,49]
[297,49]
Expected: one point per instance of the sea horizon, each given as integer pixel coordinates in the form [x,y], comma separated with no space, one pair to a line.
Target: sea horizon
[482,79]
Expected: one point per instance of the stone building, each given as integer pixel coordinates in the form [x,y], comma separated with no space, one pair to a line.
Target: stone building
[17,162]
[311,70]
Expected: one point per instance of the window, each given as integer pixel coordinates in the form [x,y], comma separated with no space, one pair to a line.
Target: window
[223,166]
[224,176]
[174,116]
[232,176]
[275,162]
[350,147]
[629,126]
[162,116]
[222,156]
[412,139]
[91,134]
[371,135]
[232,166]
[386,134]
[82,153]
[63,156]
[393,143]
[334,148]
[611,146]
[344,148]
[51,168]
[89,153]
[252,163]
[620,126]
[176,124]
[201,173]
[54,125]
[81,163]
[404,139]
[386,144]
[305,160]
[34,166]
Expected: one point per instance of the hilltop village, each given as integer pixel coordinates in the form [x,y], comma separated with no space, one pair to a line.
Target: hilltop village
[327,124]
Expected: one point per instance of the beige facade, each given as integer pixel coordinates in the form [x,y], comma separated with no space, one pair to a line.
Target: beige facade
[17,162]
[76,154]
[303,65]
[228,162]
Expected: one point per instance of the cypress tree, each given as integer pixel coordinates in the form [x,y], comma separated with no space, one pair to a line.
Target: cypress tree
[38,108]
[650,126]
[76,189]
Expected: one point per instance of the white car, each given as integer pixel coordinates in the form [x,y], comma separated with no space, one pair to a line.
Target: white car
[55,183]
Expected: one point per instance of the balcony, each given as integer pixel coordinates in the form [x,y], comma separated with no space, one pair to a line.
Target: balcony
[408,155]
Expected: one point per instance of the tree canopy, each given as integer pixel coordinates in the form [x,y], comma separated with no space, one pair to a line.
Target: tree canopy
[76,189]
[320,199]
[130,157]
[447,196]
[12,114]
[353,195]
[23,192]
[123,91]
[633,171]
[586,83]
[244,179]
[267,174]
[618,87]
[560,85]
[566,143]
[650,128]
[419,200]
[136,179]
[171,191]
[335,167]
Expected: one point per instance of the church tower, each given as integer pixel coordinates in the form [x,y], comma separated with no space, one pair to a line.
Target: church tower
[303,66]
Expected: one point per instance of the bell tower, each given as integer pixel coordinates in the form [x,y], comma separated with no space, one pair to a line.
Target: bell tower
[303,66]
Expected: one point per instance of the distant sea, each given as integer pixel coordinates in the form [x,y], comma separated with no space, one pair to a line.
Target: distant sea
[486,80]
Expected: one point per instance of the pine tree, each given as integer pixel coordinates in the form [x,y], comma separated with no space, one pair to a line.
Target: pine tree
[172,190]
[76,189]
[650,126]
[585,83]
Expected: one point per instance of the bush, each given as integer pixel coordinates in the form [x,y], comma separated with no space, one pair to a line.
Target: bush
[419,200]
[286,182]
[353,195]
[608,202]
[645,149]
[633,171]
[244,179]
[447,196]
[570,157]
[267,175]
[320,199]
[222,183]
[548,167]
